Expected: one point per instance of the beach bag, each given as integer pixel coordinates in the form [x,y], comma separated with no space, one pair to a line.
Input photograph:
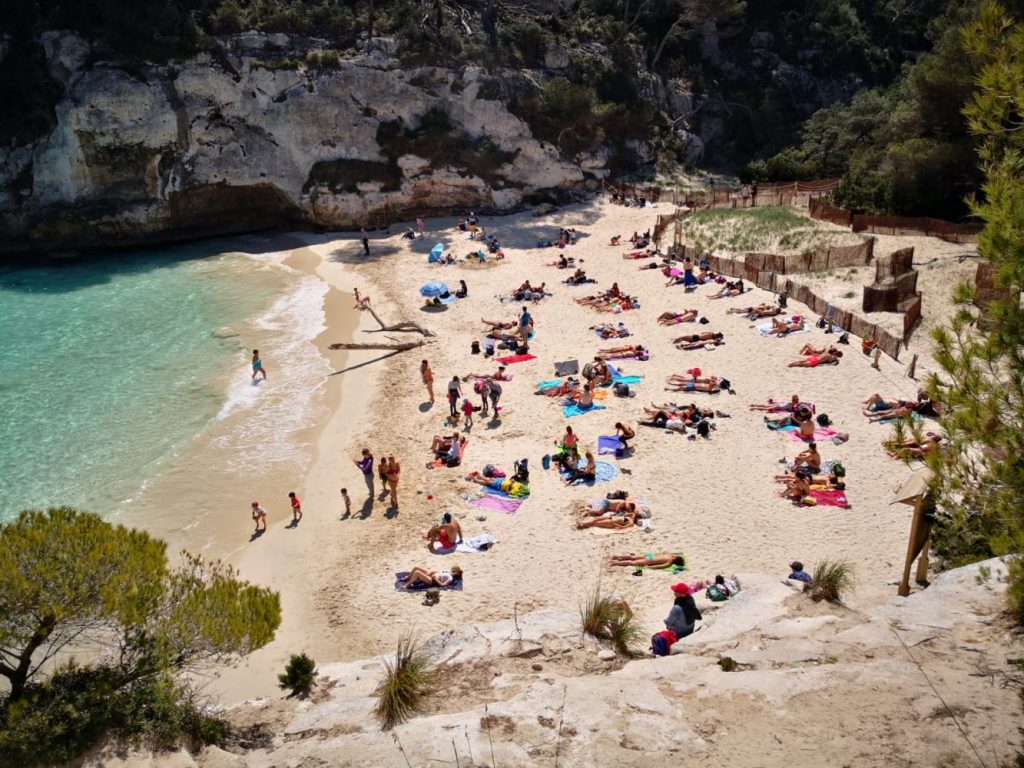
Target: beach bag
[838,470]
[588,371]
[546,461]
[844,339]
[725,384]
[474,348]
[662,642]
[621,390]
[716,594]
[704,429]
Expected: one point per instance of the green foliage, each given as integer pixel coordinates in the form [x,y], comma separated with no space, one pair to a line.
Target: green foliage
[609,618]
[73,582]
[56,721]
[979,482]
[754,229]
[832,580]
[409,678]
[728,664]
[298,675]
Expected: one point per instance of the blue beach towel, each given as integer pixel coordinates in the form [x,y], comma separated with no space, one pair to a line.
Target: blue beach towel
[602,474]
[575,410]
[618,378]
[549,384]
[608,445]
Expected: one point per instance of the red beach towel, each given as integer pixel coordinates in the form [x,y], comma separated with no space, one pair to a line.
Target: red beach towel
[516,359]
[831,498]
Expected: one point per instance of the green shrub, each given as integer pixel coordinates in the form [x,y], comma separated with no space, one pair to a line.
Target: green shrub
[409,678]
[832,580]
[609,618]
[298,675]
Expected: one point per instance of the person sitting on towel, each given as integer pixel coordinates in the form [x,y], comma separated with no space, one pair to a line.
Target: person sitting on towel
[447,535]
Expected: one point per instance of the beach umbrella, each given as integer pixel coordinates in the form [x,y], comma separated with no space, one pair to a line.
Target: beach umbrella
[434,289]
[435,253]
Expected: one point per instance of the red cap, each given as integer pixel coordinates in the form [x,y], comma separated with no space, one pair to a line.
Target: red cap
[681,589]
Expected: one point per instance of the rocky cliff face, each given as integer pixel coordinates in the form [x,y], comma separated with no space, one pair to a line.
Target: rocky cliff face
[244,140]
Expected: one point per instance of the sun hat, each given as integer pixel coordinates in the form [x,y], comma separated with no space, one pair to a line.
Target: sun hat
[681,589]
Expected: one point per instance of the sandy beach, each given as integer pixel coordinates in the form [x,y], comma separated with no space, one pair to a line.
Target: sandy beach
[713,499]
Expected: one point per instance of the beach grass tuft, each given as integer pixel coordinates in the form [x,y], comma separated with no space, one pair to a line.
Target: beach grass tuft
[832,580]
[409,678]
[609,618]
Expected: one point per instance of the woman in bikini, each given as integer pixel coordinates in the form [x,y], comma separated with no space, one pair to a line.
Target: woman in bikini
[650,560]
[781,328]
[426,577]
[699,340]
[815,360]
[810,349]
[428,379]
[630,350]
[678,383]
[394,470]
[671,318]
[772,407]
[500,326]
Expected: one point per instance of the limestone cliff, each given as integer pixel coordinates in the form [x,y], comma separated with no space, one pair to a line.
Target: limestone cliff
[246,139]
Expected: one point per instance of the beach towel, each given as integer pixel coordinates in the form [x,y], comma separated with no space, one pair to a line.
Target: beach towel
[456,584]
[608,445]
[575,410]
[913,417]
[567,368]
[602,474]
[549,384]
[474,545]
[497,503]
[624,334]
[763,330]
[819,434]
[516,359]
[830,498]
[618,378]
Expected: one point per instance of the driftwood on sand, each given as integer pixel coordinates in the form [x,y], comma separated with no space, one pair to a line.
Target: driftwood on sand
[397,346]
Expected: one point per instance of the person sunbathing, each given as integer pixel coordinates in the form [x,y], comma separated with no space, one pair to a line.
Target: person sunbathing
[587,474]
[442,443]
[609,331]
[730,289]
[699,340]
[772,407]
[827,482]
[913,449]
[761,310]
[681,384]
[814,361]
[570,387]
[614,522]
[898,412]
[690,411]
[496,325]
[507,485]
[667,419]
[810,349]
[672,318]
[627,351]
[426,577]
[650,560]
[802,418]
[781,328]
[447,535]
[604,507]
[498,375]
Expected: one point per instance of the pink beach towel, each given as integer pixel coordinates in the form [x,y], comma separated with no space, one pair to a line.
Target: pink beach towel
[831,498]
[819,434]
[497,503]
[516,359]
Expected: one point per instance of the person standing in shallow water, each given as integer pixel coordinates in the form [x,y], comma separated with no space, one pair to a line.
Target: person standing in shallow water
[257,366]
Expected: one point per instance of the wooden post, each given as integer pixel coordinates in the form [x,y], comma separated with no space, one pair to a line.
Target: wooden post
[912,369]
[915,524]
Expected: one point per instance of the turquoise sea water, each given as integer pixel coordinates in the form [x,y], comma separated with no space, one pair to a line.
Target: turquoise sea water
[109,368]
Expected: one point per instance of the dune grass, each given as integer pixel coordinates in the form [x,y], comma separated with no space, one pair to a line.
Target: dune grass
[409,678]
[608,618]
[776,227]
[832,580]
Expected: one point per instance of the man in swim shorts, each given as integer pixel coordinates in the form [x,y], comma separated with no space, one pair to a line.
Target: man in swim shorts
[257,365]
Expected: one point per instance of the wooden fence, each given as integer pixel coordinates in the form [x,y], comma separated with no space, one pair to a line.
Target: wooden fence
[895,225]
[779,283]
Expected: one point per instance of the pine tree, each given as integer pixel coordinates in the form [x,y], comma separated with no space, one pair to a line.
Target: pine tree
[979,482]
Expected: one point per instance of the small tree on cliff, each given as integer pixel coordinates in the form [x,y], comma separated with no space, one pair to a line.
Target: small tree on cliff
[980,481]
[69,580]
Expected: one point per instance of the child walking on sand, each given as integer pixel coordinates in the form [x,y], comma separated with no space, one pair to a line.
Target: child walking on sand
[296,507]
[346,501]
[467,411]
